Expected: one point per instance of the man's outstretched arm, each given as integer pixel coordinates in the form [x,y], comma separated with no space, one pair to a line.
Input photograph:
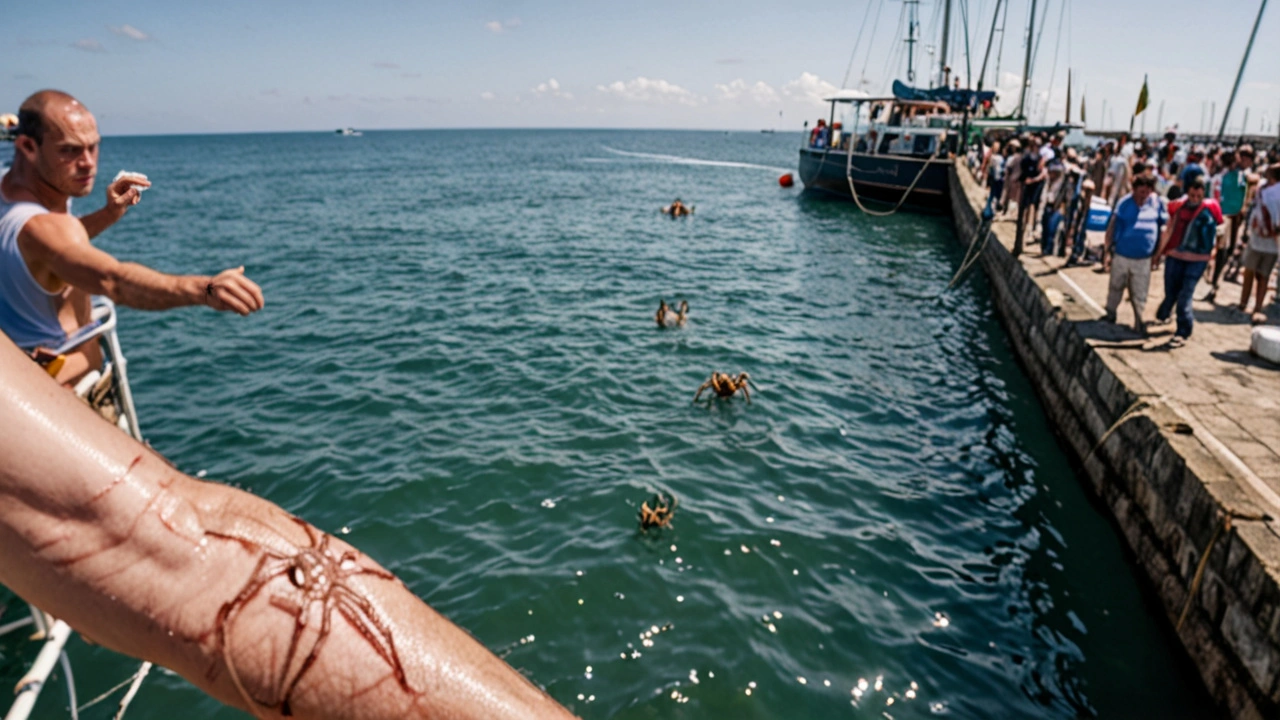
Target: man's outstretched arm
[252,605]
[56,248]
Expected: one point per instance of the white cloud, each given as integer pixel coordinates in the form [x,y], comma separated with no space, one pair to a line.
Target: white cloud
[130,32]
[760,92]
[499,27]
[1007,88]
[89,45]
[486,95]
[644,90]
[551,88]
[809,89]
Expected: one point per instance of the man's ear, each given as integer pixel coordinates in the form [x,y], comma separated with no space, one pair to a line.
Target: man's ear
[27,145]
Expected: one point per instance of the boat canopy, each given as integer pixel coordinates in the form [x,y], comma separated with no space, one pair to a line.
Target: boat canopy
[847,95]
[956,99]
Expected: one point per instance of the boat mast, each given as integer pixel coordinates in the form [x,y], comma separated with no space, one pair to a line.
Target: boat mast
[990,39]
[912,23]
[1239,74]
[946,37]
[1026,65]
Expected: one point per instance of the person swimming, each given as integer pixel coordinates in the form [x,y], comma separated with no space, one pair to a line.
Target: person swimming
[666,318]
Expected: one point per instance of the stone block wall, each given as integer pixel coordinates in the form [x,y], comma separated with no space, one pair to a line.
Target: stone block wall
[1169,496]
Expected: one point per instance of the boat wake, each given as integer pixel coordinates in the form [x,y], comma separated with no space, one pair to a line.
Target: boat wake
[680,160]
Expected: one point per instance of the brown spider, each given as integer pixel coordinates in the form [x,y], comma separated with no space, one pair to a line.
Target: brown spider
[660,514]
[726,386]
[666,318]
[316,575]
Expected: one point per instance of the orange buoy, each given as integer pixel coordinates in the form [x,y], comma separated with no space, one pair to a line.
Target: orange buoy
[786,180]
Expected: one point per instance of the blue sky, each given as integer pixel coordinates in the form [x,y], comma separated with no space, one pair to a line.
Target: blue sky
[149,67]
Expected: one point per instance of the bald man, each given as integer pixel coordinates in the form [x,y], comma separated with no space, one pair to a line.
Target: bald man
[49,269]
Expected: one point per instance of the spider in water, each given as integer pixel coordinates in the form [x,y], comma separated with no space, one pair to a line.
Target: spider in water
[726,386]
[657,511]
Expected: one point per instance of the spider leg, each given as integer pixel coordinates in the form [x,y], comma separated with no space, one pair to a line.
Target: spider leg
[361,614]
[705,385]
[353,558]
[746,393]
[287,686]
[229,611]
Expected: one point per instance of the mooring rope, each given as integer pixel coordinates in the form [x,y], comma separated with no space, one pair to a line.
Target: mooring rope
[970,256]
[136,679]
[1199,576]
[848,175]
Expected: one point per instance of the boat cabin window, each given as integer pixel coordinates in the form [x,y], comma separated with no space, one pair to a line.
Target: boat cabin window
[923,145]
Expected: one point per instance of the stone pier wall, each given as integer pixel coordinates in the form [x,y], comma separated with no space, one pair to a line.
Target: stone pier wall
[1169,494]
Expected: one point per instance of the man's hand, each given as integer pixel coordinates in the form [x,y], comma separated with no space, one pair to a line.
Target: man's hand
[122,195]
[231,290]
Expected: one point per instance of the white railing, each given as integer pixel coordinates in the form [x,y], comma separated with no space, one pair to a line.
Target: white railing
[53,632]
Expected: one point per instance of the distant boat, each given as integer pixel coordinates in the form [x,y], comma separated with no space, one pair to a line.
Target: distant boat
[350,132]
[769,131]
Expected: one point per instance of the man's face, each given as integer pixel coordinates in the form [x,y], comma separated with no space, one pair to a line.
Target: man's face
[1141,193]
[1244,161]
[67,157]
[1195,196]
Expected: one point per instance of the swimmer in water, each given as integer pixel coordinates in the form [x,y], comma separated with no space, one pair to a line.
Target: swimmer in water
[667,318]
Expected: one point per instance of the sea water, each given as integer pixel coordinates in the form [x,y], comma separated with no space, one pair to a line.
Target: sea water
[458,368]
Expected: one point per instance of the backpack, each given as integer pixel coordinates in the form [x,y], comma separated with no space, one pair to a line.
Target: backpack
[1201,234]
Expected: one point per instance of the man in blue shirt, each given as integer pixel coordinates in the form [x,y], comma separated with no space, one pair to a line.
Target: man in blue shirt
[1132,237]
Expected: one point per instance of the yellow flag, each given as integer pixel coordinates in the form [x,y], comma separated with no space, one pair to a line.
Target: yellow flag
[1142,98]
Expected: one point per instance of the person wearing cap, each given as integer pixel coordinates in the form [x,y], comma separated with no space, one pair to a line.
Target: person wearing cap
[49,269]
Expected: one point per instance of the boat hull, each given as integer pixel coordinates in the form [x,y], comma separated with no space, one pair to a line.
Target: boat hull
[878,178]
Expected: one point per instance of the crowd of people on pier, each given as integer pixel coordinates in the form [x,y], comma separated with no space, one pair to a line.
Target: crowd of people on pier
[1207,212]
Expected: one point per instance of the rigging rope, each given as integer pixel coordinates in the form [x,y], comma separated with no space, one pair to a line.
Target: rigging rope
[875,26]
[1000,53]
[893,58]
[1053,72]
[845,83]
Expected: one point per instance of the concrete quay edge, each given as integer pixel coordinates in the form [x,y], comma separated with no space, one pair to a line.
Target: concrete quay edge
[1173,488]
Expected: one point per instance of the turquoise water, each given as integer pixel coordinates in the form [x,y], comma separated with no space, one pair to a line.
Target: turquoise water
[458,364]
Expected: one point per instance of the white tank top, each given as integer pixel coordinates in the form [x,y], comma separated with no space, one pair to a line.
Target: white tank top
[28,312]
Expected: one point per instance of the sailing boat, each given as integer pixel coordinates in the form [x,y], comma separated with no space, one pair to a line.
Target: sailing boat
[901,148]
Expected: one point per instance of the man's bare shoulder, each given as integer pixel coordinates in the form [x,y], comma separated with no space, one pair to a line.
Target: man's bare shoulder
[52,231]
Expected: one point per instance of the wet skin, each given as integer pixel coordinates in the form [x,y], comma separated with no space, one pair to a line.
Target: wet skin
[249,603]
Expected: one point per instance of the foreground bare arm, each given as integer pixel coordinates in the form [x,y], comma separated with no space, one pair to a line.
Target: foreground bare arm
[252,605]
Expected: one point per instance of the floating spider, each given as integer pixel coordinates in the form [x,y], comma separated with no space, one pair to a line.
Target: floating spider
[660,513]
[667,318]
[725,386]
[316,575]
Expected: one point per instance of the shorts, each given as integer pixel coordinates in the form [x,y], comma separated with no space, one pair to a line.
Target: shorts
[1031,194]
[1259,262]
